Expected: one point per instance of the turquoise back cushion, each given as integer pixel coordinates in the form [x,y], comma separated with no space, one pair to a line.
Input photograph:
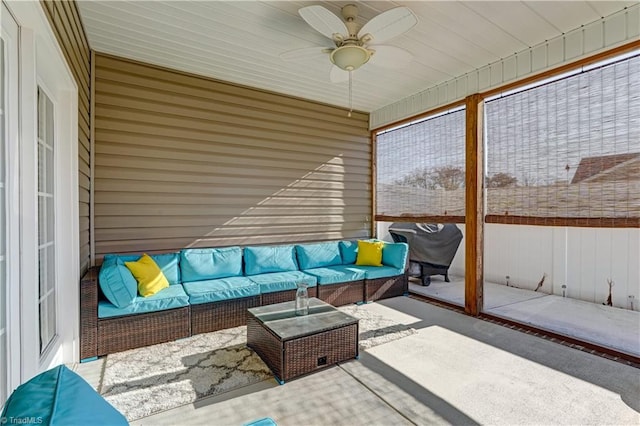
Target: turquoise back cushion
[60,397]
[318,255]
[210,263]
[348,251]
[395,254]
[267,259]
[169,263]
[117,282]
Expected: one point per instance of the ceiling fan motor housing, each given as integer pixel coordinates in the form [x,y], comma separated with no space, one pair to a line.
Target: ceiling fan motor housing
[350,13]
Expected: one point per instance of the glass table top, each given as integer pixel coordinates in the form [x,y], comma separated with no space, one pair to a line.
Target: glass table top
[282,320]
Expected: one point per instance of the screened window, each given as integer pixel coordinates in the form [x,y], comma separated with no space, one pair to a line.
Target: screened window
[567,152]
[420,170]
[46,221]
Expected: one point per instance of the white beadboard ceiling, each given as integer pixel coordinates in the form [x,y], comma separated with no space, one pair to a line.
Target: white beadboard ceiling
[240,41]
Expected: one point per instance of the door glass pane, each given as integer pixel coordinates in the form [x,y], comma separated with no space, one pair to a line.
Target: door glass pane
[46,221]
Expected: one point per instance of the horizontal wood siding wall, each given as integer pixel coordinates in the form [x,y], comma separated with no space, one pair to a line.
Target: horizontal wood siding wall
[183,161]
[64,18]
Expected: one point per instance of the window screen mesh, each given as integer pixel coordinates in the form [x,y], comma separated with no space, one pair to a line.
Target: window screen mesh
[421,170]
[567,152]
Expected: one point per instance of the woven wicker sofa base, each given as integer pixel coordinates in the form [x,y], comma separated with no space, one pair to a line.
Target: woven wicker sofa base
[383,288]
[342,293]
[100,337]
[284,296]
[208,317]
[134,331]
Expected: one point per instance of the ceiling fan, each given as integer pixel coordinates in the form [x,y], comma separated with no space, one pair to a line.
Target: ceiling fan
[355,46]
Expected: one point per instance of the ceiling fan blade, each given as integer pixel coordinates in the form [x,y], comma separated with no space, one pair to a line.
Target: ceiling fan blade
[323,21]
[338,75]
[306,53]
[390,57]
[389,24]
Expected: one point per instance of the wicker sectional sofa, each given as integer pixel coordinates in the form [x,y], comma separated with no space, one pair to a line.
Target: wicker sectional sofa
[212,288]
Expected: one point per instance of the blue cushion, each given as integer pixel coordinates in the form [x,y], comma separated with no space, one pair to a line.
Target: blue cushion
[220,289]
[167,262]
[267,259]
[117,282]
[267,421]
[337,274]
[318,255]
[60,397]
[348,251]
[210,263]
[167,298]
[373,272]
[395,254]
[279,281]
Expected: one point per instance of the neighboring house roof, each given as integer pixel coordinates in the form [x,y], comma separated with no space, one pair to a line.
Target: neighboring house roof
[611,166]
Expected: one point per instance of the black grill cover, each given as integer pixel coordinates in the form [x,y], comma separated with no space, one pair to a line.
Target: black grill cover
[428,243]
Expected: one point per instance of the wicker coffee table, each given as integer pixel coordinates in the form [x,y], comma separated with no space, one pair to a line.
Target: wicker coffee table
[293,345]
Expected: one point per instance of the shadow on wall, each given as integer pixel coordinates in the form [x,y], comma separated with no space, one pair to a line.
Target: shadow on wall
[311,208]
[328,203]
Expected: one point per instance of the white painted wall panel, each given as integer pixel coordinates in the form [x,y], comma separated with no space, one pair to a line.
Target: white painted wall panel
[582,258]
[594,37]
[524,62]
[484,78]
[495,71]
[586,264]
[510,68]
[633,23]
[633,268]
[539,57]
[573,46]
[555,52]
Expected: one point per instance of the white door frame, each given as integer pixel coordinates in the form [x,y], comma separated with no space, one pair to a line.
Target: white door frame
[42,64]
[12,257]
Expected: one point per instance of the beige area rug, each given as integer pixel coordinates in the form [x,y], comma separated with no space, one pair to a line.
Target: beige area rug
[141,382]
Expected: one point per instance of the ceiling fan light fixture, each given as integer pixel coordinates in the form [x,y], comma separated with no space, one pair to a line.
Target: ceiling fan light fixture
[350,57]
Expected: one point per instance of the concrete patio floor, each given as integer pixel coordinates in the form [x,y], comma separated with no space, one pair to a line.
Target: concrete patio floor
[606,326]
[455,370]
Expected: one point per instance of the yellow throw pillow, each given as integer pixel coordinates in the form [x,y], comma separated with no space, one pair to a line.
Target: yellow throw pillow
[148,274]
[369,253]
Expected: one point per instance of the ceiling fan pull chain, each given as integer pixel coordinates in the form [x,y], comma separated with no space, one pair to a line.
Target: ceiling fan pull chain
[350,94]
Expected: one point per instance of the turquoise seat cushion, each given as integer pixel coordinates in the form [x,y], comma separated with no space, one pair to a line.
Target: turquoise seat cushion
[348,251]
[337,274]
[117,282]
[318,255]
[220,289]
[167,262]
[210,263]
[268,259]
[278,281]
[59,397]
[171,297]
[267,421]
[395,254]
[373,272]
